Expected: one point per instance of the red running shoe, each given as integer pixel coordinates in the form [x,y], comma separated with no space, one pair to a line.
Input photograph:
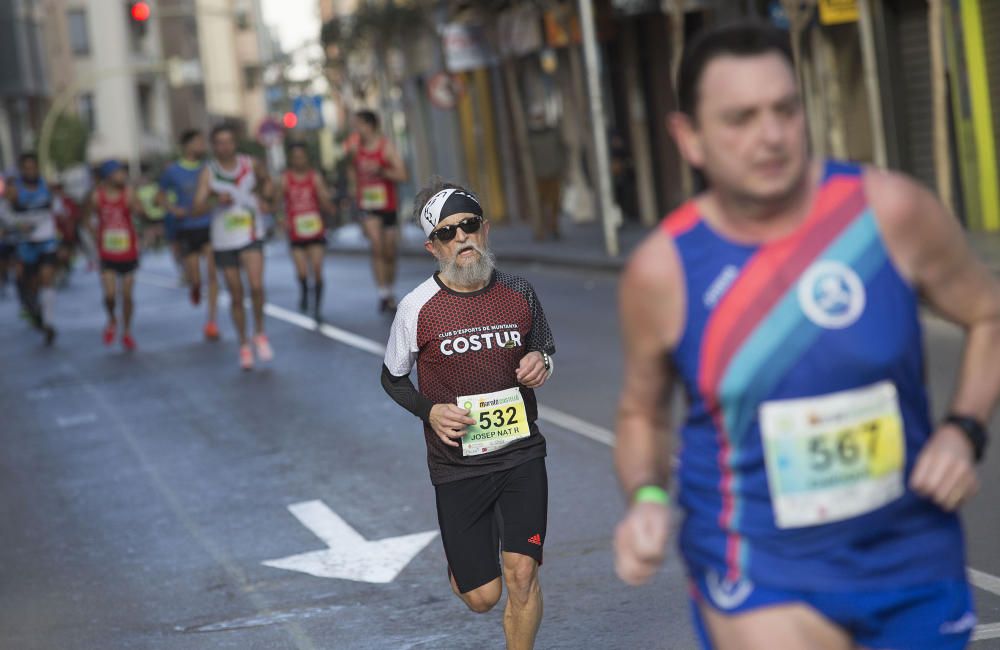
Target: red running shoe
[128,342]
[246,357]
[109,333]
[211,331]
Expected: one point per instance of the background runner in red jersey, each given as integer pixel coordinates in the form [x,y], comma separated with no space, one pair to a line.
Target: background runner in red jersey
[113,228]
[376,168]
[306,200]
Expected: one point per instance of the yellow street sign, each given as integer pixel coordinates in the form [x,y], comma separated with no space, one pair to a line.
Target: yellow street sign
[835,12]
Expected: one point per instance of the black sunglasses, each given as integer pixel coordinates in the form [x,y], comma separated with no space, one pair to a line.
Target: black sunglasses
[468,225]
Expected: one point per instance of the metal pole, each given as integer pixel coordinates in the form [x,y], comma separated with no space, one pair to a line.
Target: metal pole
[600,135]
[871,80]
[942,152]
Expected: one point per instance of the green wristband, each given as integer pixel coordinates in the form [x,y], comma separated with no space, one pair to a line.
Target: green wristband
[651,494]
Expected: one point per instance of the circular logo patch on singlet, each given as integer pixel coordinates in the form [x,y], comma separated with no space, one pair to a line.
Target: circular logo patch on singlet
[831,294]
[725,593]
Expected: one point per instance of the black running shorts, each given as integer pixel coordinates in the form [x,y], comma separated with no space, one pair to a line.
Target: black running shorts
[389,218]
[483,515]
[231,258]
[120,268]
[319,241]
[193,240]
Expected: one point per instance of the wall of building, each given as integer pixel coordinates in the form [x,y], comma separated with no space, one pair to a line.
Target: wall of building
[220,64]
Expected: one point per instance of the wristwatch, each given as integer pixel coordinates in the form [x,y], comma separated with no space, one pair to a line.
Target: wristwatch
[973,430]
[546,360]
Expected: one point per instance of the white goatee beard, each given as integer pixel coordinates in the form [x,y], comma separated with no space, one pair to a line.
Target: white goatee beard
[471,274]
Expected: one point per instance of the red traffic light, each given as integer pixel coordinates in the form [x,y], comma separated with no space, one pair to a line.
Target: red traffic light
[290,120]
[140,11]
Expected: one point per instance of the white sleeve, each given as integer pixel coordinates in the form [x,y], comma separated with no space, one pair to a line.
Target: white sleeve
[401,350]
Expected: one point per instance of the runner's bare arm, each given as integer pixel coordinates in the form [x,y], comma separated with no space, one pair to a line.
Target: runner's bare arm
[203,195]
[265,186]
[928,246]
[652,313]
[278,206]
[395,171]
[90,215]
[134,204]
[323,196]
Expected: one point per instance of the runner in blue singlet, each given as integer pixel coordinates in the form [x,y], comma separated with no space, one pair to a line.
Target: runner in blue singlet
[819,499]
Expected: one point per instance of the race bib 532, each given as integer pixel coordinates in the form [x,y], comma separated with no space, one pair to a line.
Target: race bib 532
[500,420]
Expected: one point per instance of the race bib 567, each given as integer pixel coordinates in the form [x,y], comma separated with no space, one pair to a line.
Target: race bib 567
[833,457]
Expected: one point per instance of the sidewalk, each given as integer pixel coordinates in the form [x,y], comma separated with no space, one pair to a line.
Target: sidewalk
[580,247]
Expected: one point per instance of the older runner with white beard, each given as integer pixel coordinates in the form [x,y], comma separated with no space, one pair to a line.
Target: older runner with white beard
[481,345]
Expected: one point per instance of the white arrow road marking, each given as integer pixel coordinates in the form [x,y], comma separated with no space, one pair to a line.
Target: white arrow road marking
[349,556]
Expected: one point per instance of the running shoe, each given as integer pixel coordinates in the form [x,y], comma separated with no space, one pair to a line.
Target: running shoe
[246,357]
[211,331]
[109,334]
[128,342]
[195,294]
[264,351]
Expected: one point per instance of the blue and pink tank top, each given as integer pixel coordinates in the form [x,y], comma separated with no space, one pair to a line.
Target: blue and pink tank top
[803,367]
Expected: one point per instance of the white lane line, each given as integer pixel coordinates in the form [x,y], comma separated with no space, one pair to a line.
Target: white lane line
[576,425]
[984,581]
[327,330]
[988,631]
[75,420]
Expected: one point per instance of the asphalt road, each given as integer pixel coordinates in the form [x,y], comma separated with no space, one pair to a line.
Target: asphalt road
[142,493]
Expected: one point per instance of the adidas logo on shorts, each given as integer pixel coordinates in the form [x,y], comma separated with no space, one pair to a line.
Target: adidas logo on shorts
[535,539]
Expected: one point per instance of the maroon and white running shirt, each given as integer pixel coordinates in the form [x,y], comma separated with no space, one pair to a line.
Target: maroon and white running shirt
[465,344]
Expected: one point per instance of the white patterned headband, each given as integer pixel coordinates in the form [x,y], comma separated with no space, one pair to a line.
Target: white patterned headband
[444,204]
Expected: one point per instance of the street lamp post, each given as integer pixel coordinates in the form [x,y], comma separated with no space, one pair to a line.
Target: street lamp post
[608,215]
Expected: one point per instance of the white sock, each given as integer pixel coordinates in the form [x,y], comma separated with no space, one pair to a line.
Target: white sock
[47,296]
